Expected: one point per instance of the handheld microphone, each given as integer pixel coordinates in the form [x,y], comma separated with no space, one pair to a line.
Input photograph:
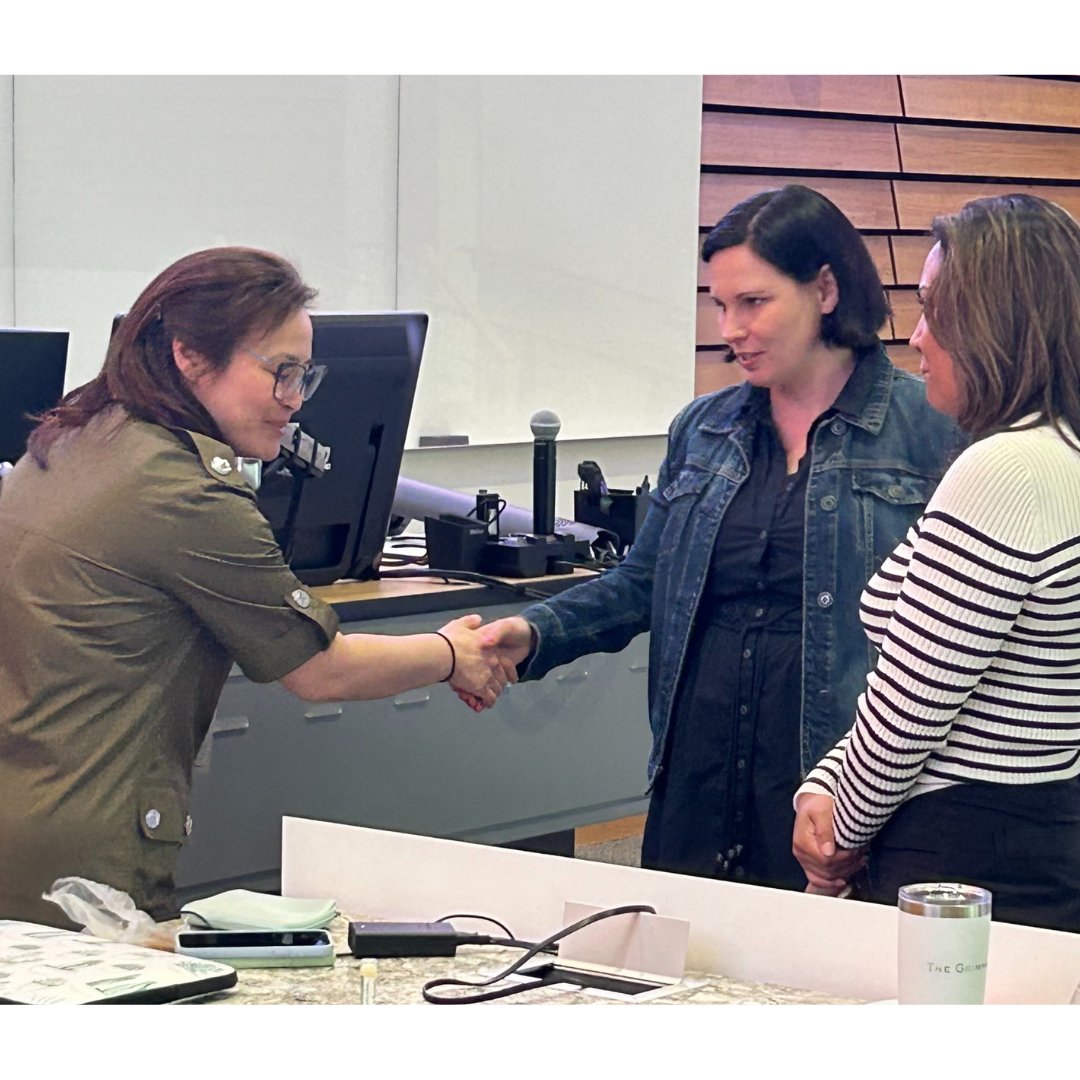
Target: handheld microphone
[545,426]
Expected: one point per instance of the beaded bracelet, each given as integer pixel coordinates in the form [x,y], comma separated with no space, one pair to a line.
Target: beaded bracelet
[453,655]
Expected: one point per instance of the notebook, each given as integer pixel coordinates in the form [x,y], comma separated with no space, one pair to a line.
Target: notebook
[41,965]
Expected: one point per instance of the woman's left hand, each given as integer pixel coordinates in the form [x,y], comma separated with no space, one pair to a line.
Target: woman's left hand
[827,867]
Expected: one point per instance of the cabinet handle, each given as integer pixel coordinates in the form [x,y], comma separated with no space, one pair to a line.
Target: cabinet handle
[222,725]
[323,712]
[412,697]
[572,676]
[640,665]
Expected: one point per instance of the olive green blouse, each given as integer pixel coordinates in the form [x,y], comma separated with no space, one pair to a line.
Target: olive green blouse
[134,571]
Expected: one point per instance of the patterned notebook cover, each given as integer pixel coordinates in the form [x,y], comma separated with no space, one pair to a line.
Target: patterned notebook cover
[40,965]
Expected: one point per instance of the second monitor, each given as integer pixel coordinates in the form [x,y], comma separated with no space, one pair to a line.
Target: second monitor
[32,366]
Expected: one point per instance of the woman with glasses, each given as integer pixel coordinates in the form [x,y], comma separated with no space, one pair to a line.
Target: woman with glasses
[963,763]
[136,568]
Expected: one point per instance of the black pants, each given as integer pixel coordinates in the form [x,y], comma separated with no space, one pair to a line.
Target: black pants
[1022,842]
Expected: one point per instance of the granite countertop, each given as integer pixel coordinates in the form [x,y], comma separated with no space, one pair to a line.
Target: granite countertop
[400,980]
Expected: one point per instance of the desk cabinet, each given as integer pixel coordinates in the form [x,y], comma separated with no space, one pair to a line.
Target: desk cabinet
[551,755]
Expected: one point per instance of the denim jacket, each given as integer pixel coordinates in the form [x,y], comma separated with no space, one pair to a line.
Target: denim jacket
[869,479]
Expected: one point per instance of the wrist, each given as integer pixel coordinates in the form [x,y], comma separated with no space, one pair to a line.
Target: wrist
[453,655]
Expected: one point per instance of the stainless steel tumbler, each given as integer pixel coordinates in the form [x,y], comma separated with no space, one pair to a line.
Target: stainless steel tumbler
[943,936]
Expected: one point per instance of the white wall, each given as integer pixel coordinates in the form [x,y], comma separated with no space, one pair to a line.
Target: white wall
[7,202]
[117,176]
[547,224]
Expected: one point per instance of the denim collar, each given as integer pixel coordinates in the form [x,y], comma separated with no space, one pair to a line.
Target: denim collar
[863,401]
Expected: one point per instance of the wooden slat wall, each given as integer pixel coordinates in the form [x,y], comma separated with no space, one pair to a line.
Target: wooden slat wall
[992,99]
[986,151]
[892,151]
[917,203]
[765,142]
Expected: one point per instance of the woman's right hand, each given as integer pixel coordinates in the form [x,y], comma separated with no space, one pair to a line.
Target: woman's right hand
[513,637]
[481,666]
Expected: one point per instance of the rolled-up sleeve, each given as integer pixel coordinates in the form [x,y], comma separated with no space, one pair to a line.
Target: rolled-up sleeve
[221,562]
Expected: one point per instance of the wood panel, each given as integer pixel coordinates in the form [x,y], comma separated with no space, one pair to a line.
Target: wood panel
[905,357]
[918,203]
[909,254]
[708,324]
[878,246]
[605,831]
[711,373]
[813,93]
[928,148]
[1000,99]
[906,311]
[801,142]
[868,204]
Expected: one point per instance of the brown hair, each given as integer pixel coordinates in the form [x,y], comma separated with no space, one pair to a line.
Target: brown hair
[1006,305]
[211,301]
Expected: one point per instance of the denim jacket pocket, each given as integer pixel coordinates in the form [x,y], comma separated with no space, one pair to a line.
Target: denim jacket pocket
[894,486]
[690,481]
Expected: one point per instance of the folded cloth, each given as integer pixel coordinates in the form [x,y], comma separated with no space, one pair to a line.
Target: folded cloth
[241,909]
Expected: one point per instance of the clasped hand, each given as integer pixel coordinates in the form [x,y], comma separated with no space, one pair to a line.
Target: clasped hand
[828,867]
[483,666]
[509,640]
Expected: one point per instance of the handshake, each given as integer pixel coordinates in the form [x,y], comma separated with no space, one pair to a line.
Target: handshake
[486,656]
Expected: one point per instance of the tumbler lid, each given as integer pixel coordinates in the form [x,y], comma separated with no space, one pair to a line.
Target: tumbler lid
[944,900]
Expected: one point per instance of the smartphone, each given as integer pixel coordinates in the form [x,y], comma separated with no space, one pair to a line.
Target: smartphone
[259,948]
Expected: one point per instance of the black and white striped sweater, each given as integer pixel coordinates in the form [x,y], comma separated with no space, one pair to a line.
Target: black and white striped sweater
[977,620]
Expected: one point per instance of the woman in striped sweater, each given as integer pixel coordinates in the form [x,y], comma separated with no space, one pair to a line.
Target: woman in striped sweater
[964,760]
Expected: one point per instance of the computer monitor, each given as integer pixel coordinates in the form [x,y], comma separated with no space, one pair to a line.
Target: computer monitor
[361,411]
[32,367]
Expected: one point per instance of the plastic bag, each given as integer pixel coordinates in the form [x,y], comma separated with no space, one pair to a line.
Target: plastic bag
[107,913]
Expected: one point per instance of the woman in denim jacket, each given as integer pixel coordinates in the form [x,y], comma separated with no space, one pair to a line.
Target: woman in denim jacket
[777,500]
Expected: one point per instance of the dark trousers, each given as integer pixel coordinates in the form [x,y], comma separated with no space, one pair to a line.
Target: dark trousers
[1022,842]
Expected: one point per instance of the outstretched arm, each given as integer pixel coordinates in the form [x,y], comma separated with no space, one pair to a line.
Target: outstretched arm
[361,667]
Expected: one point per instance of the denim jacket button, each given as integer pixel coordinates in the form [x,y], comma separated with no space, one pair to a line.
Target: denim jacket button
[838,427]
[828,502]
[825,599]
[896,491]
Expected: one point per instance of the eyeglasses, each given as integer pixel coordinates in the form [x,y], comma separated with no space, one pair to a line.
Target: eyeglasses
[291,376]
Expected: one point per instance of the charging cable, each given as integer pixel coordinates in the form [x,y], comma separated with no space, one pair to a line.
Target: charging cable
[519,988]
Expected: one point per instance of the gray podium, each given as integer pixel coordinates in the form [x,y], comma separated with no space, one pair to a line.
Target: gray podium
[552,755]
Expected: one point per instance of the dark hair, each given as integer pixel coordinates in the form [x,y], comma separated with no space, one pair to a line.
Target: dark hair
[1006,306]
[211,301]
[798,231]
